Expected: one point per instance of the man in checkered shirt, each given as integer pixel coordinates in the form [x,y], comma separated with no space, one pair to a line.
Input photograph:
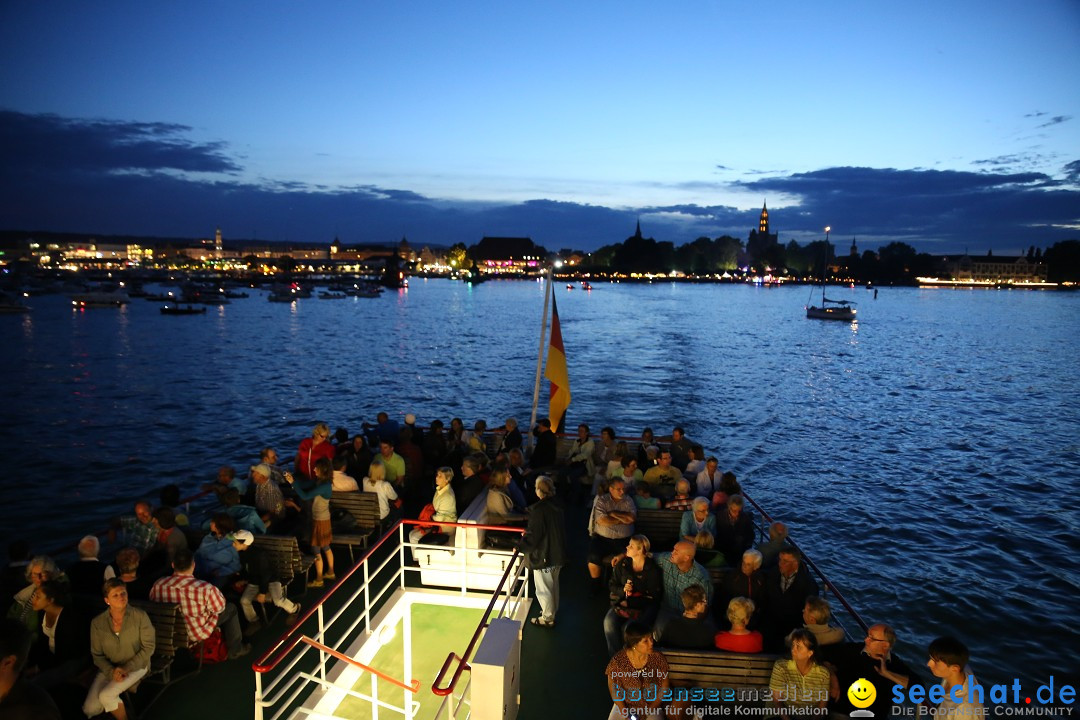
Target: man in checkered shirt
[202,605]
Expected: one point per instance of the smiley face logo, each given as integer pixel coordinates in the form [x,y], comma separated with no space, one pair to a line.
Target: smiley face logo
[862,693]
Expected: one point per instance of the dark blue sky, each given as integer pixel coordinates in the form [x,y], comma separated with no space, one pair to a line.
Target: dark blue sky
[947,128]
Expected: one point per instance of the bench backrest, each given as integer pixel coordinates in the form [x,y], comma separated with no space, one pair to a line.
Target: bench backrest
[718,669]
[169,627]
[363,506]
[283,553]
[660,526]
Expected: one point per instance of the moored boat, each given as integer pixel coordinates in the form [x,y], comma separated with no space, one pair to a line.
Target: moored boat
[182,310]
[101,298]
[11,303]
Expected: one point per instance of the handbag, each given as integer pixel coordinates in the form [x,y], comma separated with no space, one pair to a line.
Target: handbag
[212,650]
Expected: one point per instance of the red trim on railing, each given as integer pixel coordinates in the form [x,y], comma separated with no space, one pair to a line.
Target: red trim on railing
[268,660]
[464,659]
[414,686]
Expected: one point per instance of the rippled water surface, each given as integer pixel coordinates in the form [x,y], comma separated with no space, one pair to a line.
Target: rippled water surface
[927,458]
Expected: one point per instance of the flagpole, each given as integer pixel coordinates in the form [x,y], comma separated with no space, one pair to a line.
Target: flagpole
[548,289]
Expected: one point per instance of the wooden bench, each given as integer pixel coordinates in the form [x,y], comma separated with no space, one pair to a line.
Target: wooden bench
[364,508]
[724,671]
[286,560]
[660,526]
[170,633]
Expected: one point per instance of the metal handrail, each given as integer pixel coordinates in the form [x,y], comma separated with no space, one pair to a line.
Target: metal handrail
[463,660]
[813,566]
[414,686]
[285,644]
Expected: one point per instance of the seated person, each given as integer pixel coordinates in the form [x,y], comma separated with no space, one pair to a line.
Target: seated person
[375,482]
[695,465]
[643,498]
[62,648]
[663,476]
[88,572]
[747,582]
[216,557]
[694,629]
[708,480]
[122,641]
[40,569]
[681,501]
[245,517]
[697,520]
[786,588]
[636,586]
[706,554]
[728,486]
[628,471]
[342,481]
[226,478]
[801,682]
[949,662]
[816,614]
[739,639]
[20,699]
[770,549]
[500,508]
[127,569]
[734,529]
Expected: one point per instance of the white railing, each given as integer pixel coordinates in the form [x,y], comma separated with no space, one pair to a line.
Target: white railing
[298,665]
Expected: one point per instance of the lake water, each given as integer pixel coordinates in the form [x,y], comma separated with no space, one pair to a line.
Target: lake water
[927,458]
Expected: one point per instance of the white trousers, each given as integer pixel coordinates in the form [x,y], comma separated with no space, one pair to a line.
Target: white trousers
[104,695]
[277,595]
[547,590]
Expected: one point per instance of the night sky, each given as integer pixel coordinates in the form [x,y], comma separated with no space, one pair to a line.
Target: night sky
[949,126]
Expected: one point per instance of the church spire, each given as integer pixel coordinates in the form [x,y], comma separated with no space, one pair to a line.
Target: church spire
[763,223]
[637,233]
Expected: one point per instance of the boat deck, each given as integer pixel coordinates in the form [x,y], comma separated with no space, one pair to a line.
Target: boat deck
[562,669]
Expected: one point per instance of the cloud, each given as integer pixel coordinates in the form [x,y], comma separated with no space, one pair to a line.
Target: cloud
[36,142]
[1056,120]
[151,178]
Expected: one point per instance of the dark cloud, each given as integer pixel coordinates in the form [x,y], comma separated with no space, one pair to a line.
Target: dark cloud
[1056,120]
[129,178]
[939,208]
[1072,171]
[40,142]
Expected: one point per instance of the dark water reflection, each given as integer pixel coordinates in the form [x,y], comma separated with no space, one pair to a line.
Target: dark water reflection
[926,457]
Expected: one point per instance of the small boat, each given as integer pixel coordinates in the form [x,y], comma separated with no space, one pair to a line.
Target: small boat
[160,297]
[101,298]
[830,309]
[569,286]
[178,310]
[234,294]
[586,285]
[282,296]
[10,303]
[332,295]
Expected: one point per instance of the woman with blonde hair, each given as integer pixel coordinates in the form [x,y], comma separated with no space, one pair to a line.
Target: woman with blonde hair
[637,584]
[739,639]
[313,449]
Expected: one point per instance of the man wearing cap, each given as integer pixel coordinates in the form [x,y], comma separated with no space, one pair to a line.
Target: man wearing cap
[266,497]
[417,433]
[261,580]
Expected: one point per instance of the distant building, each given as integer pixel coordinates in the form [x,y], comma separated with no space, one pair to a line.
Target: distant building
[992,268]
[507,254]
[761,240]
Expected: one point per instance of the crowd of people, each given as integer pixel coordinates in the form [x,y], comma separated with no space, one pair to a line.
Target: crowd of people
[73,632]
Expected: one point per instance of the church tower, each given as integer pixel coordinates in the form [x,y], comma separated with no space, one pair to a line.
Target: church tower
[763,223]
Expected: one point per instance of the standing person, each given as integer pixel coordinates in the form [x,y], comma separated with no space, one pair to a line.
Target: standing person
[635,674]
[544,547]
[313,449]
[121,643]
[801,680]
[544,454]
[322,534]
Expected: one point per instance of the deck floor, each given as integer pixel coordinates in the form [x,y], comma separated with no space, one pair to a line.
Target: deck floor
[562,668]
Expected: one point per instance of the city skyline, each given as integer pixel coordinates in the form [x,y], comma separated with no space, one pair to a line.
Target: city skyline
[945,127]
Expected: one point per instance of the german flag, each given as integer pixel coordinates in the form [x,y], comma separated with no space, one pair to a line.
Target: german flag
[555,371]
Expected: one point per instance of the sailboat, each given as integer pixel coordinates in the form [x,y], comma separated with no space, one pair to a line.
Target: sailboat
[830,309]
